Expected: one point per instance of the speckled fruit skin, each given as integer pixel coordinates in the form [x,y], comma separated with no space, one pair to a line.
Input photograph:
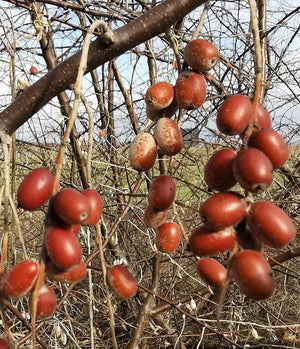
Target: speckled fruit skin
[253,170]
[162,192]
[168,136]
[46,303]
[160,95]
[222,210]
[35,189]
[122,282]
[218,171]
[142,152]
[272,144]
[71,276]
[234,115]
[253,274]
[168,237]
[190,90]
[96,205]
[63,248]
[270,224]
[211,271]
[201,55]
[21,278]
[71,206]
[154,218]
[206,241]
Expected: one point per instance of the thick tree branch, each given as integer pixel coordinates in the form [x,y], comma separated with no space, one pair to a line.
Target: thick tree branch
[150,24]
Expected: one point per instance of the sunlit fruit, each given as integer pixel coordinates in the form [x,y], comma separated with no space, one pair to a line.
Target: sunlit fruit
[33,70]
[46,302]
[206,241]
[142,152]
[96,206]
[162,192]
[190,90]
[168,237]
[218,171]
[253,170]
[160,95]
[253,274]
[153,218]
[35,189]
[70,276]
[201,55]
[270,224]
[168,136]
[4,344]
[21,278]
[272,144]
[63,248]
[211,271]
[122,282]
[234,115]
[222,210]
[71,206]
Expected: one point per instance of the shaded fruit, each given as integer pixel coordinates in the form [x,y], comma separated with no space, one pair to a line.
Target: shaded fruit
[222,210]
[71,206]
[63,248]
[70,276]
[162,192]
[96,206]
[253,274]
[142,152]
[272,144]
[201,55]
[35,189]
[253,170]
[246,239]
[122,282]
[168,237]
[206,241]
[155,114]
[21,278]
[46,302]
[190,90]
[211,271]
[234,115]
[218,171]
[270,224]
[4,344]
[160,95]
[153,218]
[168,136]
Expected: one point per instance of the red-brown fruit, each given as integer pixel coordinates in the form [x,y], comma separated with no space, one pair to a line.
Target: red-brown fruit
[190,90]
[33,70]
[71,206]
[4,344]
[253,170]
[246,239]
[46,302]
[155,114]
[222,210]
[211,271]
[63,248]
[201,55]
[122,282]
[71,276]
[263,119]
[160,95]
[168,237]
[206,241]
[35,189]
[168,136]
[142,152]
[154,218]
[234,115]
[21,278]
[270,224]
[272,144]
[162,192]
[253,274]
[96,205]
[218,171]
